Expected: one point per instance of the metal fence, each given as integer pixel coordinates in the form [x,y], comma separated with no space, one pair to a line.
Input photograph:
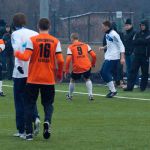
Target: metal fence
[87,25]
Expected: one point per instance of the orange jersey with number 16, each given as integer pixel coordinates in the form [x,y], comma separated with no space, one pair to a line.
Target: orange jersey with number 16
[42,64]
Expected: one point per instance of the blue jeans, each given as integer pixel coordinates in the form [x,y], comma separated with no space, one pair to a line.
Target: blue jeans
[129,62]
[107,69]
[19,96]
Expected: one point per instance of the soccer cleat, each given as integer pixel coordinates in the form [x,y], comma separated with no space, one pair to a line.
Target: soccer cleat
[37,126]
[2,94]
[29,137]
[46,130]
[68,97]
[111,94]
[91,98]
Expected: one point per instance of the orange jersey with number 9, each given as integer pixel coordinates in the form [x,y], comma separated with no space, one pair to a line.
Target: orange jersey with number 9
[80,57]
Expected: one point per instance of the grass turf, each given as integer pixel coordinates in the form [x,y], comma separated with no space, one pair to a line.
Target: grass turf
[118,124]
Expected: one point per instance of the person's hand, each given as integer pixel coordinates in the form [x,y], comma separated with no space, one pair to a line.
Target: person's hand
[20,70]
[122,61]
[101,48]
[59,76]
[93,65]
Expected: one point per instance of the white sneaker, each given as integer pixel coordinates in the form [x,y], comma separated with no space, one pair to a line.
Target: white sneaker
[23,136]
[37,126]
[136,86]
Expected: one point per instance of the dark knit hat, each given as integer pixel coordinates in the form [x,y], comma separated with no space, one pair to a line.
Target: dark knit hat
[128,21]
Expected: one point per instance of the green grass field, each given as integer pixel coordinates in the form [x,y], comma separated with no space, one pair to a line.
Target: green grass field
[116,124]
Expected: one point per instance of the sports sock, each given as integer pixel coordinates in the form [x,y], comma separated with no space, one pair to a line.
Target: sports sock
[89,87]
[0,86]
[71,88]
[111,86]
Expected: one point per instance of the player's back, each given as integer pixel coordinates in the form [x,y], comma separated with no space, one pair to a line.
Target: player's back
[42,63]
[80,58]
[19,42]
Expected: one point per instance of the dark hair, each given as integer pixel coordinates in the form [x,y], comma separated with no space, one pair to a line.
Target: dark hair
[74,36]
[44,24]
[107,23]
[19,20]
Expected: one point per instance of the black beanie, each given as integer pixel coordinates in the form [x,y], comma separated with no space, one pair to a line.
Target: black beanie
[128,21]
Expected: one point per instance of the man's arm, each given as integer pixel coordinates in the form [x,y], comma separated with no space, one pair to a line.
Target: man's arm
[60,62]
[93,55]
[121,48]
[68,61]
[23,56]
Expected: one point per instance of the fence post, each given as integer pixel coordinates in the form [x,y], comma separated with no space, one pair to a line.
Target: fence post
[69,32]
[54,23]
[89,27]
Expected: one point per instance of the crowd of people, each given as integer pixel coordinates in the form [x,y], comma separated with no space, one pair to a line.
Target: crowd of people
[39,65]
[136,45]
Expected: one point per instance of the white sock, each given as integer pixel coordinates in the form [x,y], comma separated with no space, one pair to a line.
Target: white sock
[71,88]
[1,83]
[89,87]
[111,86]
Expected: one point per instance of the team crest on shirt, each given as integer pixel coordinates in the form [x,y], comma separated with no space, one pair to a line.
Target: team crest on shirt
[24,45]
[109,38]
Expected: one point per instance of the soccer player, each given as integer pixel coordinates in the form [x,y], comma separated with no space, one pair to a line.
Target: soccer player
[78,53]
[114,54]
[20,73]
[42,50]
[2,47]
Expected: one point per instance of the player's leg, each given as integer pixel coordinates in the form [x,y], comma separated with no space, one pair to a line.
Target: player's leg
[144,70]
[32,92]
[36,120]
[106,73]
[47,97]
[89,85]
[71,89]
[19,105]
[74,77]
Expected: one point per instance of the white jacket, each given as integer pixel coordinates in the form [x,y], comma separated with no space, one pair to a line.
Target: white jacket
[114,46]
[19,42]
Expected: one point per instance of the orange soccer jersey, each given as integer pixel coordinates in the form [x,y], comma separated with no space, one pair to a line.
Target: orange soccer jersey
[42,63]
[2,45]
[1,41]
[80,60]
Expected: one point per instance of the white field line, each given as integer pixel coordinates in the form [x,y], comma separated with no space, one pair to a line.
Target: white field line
[100,95]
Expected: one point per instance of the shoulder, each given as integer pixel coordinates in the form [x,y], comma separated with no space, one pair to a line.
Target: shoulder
[70,46]
[55,40]
[114,33]
[30,32]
